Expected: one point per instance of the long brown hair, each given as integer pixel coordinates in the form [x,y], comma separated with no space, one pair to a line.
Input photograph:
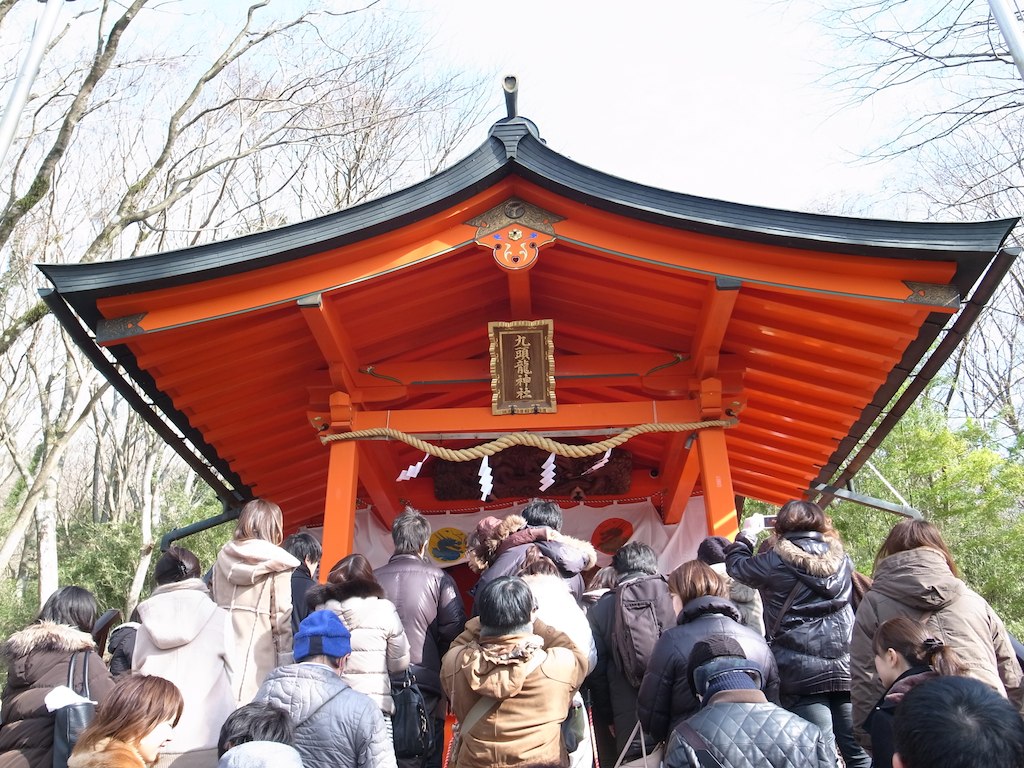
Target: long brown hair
[260,519]
[913,534]
[355,568]
[918,647]
[695,579]
[536,563]
[134,707]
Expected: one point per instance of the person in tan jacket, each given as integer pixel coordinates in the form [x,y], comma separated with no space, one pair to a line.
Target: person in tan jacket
[915,576]
[510,680]
[252,580]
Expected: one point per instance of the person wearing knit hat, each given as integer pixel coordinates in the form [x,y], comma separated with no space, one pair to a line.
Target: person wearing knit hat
[737,725]
[323,634]
[335,725]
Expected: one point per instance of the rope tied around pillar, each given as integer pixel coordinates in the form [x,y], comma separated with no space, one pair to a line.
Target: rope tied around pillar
[526,438]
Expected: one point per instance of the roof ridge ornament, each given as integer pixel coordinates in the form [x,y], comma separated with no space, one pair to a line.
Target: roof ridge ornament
[513,128]
[511,87]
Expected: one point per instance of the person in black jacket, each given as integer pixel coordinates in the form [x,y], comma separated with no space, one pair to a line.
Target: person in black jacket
[432,613]
[666,698]
[805,582]
[306,548]
[613,697]
[737,726]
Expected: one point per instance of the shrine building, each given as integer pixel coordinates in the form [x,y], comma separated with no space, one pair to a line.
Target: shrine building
[624,344]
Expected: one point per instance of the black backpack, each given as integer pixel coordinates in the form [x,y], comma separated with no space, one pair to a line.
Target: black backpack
[643,610]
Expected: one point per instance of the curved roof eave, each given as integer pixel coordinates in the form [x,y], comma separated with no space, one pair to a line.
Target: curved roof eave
[512,146]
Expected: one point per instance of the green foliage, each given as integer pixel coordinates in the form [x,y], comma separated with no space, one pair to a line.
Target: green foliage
[959,481]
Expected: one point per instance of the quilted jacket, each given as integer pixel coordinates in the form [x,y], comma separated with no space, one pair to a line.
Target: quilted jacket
[745,730]
[379,645]
[334,725]
[812,645]
[665,697]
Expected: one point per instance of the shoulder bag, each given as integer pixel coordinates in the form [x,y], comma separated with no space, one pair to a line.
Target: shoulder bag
[411,723]
[71,720]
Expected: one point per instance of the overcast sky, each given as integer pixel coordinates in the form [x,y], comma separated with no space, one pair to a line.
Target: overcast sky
[723,100]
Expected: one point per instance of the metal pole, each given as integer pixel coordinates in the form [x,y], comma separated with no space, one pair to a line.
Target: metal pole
[29,69]
[1010,26]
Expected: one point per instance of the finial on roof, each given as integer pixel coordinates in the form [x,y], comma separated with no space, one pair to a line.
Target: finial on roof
[511,88]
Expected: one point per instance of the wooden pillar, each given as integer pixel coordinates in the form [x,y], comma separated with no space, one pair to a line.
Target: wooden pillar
[716,479]
[340,504]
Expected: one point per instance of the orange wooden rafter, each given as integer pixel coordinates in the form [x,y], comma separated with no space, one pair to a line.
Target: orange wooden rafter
[377,473]
[720,299]
[520,302]
[680,472]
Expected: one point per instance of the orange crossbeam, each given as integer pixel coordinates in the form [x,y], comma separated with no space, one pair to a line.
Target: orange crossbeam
[590,416]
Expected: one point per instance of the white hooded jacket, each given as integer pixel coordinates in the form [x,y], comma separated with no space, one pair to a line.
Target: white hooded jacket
[186,638]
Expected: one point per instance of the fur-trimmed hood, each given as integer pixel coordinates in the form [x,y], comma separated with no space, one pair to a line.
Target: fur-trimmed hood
[512,531]
[824,557]
[108,753]
[319,596]
[46,636]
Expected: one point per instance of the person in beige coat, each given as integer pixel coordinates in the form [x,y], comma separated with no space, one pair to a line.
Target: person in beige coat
[380,647]
[186,638]
[252,580]
[915,576]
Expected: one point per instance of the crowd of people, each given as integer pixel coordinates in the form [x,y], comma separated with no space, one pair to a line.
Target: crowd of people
[777,655]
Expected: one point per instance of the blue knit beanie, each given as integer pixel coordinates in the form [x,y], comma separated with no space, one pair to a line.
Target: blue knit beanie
[322,633]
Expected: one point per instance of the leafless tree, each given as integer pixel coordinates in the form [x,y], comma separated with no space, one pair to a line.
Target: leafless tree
[160,124]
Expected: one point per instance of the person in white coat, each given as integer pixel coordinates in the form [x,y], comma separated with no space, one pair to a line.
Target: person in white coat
[380,647]
[185,637]
[557,607]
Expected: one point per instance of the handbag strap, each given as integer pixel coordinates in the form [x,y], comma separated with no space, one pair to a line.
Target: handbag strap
[699,745]
[273,620]
[485,704]
[785,608]
[85,673]
[629,743]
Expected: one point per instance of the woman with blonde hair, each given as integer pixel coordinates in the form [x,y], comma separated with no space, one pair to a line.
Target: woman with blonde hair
[915,576]
[131,726]
[252,580]
[700,597]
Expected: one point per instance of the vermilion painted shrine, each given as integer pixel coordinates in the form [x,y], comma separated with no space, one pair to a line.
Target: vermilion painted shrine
[666,309]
